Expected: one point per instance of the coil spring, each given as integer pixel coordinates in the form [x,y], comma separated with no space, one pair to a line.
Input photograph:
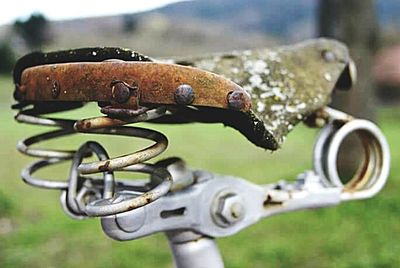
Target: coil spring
[83,196]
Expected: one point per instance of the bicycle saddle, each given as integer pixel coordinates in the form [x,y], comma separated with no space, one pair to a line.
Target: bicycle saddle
[262,93]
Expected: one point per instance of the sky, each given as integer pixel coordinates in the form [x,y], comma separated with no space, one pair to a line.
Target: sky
[69,9]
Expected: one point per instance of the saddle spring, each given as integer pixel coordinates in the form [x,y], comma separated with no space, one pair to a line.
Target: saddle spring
[82,195]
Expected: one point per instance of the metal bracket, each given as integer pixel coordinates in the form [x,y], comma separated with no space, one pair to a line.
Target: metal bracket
[217,206]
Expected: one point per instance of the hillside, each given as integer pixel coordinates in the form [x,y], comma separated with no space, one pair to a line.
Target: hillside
[197,27]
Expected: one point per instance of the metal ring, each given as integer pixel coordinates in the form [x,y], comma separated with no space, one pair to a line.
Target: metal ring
[75,192]
[119,203]
[372,173]
[108,176]
[161,143]
[27,177]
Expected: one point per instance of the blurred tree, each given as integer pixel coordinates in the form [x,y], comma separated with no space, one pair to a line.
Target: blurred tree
[129,23]
[7,57]
[33,30]
[353,22]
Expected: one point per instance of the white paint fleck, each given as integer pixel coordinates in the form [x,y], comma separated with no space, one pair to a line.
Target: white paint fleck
[328,77]
[94,53]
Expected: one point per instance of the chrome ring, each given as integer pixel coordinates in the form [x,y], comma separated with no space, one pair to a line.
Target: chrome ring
[372,173]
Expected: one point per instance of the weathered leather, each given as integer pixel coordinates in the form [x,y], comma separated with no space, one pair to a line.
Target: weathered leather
[286,85]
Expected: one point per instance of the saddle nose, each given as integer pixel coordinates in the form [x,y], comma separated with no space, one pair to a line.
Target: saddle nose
[348,78]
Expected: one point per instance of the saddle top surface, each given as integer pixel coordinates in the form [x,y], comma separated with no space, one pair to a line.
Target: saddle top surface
[281,86]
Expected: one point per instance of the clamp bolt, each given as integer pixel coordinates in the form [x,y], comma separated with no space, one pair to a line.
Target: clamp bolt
[229,209]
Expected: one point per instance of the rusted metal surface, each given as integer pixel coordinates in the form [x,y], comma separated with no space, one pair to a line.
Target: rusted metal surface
[279,87]
[156,83]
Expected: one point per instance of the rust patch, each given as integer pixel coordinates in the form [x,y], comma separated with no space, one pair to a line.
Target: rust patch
[104,167]
[157,83]
[269,202]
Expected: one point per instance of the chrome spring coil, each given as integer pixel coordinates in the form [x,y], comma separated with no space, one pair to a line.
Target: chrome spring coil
[373,170]
[82,195]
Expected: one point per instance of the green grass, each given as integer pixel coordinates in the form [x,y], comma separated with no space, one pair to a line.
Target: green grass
[355,234]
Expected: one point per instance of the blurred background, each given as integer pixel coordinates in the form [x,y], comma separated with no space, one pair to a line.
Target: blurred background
[34,232]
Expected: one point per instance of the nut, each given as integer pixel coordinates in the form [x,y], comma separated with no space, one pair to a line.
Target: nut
[229,209]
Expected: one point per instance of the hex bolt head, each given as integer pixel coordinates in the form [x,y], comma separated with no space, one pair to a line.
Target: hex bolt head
[228,210]
[120,92]
[184,95]
[239,100]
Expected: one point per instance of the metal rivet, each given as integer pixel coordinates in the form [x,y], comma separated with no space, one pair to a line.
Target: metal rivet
[120,92]
[184,95]
[55,89]
[328,55]
[239,100]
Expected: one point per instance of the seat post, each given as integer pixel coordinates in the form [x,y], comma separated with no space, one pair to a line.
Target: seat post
[193,250]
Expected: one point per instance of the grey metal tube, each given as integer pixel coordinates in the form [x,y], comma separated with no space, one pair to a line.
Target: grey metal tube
[200,253]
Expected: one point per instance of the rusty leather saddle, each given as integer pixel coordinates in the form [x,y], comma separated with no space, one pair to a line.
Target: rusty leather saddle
[262,93]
